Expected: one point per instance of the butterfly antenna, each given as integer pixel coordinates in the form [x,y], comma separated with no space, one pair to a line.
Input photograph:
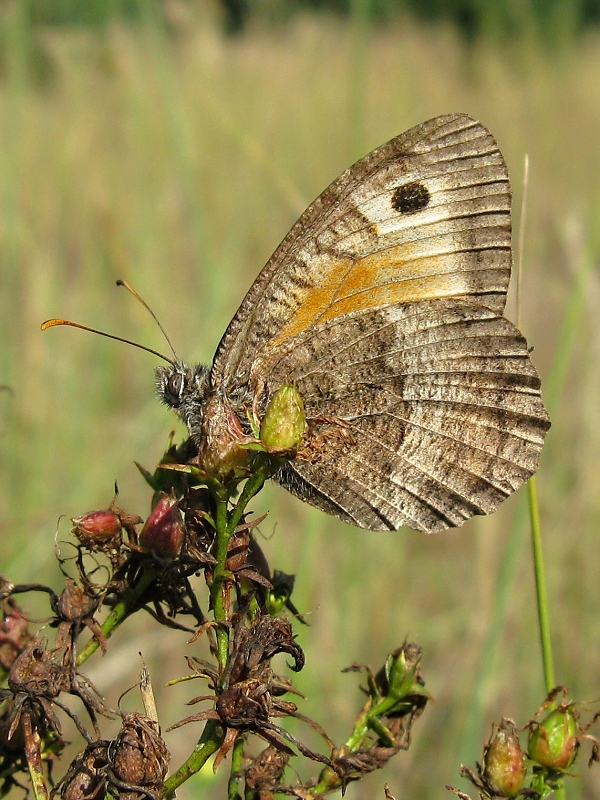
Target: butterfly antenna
[51,323]
[152,314]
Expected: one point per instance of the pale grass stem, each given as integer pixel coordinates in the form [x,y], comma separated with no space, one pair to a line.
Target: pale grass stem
[541,592]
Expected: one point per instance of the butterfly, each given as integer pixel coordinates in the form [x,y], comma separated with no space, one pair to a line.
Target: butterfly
[384,307]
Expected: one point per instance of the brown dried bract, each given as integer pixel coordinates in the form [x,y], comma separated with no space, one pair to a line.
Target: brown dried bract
[263,774]
[87,777]
[245,559]
[251,694]
[75,608]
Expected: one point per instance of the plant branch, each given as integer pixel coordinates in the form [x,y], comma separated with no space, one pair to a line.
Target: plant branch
[33,754]
[540,586]
[120,612]
[209,743]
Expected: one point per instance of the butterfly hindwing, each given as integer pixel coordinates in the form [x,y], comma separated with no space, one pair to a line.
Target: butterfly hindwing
[424,415]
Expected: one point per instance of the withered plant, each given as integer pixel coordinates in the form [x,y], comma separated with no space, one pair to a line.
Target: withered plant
[199,525]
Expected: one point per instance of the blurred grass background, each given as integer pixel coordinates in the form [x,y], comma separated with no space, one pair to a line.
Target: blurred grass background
[146,143]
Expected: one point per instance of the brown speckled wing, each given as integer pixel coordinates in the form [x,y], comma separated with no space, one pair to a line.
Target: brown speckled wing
[426,215]
[441,408]
[383,306]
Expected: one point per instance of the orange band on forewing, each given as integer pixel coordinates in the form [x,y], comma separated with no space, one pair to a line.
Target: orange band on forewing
[436,286]
[371,282]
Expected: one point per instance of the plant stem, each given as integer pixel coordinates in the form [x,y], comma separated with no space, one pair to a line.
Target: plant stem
[540,586]
[120,611]
[361,728]
[33,754]
[209,743]
[542,597]
[218,579]
[237,762]
[253,485]
[225,523]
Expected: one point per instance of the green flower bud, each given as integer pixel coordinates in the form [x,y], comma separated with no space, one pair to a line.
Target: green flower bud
[504,761]
[399,683]
[554,742]
[284,422]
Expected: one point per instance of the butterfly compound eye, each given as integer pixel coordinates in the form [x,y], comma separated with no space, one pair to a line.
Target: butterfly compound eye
[174,387]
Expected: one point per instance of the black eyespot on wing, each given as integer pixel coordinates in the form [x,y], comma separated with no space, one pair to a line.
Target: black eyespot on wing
[410,197]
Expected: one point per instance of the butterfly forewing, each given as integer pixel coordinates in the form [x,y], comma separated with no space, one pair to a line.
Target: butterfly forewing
[426,215]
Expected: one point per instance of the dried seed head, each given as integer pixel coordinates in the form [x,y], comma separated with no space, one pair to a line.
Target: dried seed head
[264,773]
[86,778]
[38,671]
[140,757]
[74,603]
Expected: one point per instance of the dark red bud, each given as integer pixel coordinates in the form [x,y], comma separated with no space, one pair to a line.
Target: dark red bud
[164,531]
[98,526]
